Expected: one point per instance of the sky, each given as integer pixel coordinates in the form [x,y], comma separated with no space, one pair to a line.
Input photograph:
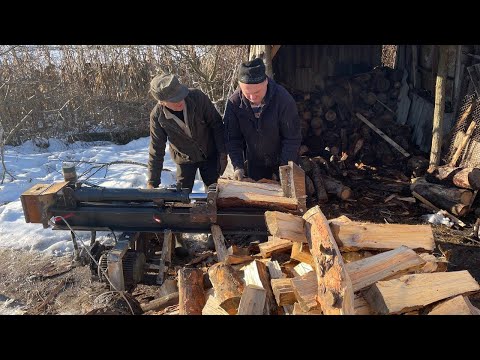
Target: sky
[31,165]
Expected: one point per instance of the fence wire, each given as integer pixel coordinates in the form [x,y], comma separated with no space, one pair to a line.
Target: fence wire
[469,111]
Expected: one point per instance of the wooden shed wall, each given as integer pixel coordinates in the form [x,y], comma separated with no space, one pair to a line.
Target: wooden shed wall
[306,67]
[420,114]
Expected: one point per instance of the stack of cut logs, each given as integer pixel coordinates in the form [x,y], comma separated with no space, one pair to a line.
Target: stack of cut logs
[329,119]
[311,265]
[336,137]
[448,188]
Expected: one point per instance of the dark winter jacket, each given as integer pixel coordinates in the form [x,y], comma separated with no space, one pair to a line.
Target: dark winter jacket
[207,138]
[271,140]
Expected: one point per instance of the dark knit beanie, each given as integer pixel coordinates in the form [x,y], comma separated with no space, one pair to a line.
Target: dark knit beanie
[252,72]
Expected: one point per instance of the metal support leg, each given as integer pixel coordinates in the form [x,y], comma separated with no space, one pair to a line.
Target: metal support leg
[76,253]
[93,237]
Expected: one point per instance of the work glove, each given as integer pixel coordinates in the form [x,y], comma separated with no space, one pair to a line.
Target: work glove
[223,161]
[239,174]
[150,186]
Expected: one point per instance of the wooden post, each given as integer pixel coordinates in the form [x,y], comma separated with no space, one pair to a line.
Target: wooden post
[438,112]
[414,65]
[268,61]
[458,79]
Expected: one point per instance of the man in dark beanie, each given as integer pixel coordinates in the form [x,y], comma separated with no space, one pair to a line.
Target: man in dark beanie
[194,129]
[262,125]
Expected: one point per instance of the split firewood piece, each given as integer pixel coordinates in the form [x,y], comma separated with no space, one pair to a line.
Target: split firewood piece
[335,292]
[297,310]
[252,301]
[301,252]
[301,269]
[365,272]
[191,294]
[285,226]
[212,307]
[219,241]
[357,236]
[411,292]
[228,286]
[361,306]
[256,273]
[283,291]
[306,290]
[237,255]
[274,245]
[275,270]
[459,305]
[233,193]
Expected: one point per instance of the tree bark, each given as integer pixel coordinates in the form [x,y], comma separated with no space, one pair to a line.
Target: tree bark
[191,294]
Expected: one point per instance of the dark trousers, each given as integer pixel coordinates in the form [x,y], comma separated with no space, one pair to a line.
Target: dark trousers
[209,170]
[261,172]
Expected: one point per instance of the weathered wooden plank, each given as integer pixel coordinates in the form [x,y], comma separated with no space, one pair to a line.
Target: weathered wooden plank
[383,135]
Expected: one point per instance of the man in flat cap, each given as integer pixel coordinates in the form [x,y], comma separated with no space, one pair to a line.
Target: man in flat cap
[194,129]
[262,125]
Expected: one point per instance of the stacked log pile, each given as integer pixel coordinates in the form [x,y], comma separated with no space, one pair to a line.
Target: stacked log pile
[450,189]
[312,266]
[350,127]
[329,119]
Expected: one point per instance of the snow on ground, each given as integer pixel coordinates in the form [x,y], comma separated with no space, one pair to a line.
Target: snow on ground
[33,165]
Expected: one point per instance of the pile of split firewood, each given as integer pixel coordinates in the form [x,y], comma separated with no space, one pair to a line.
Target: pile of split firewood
[313,266]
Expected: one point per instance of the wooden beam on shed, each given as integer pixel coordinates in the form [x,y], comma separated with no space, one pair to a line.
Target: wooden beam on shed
[275,49]
[438,112]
